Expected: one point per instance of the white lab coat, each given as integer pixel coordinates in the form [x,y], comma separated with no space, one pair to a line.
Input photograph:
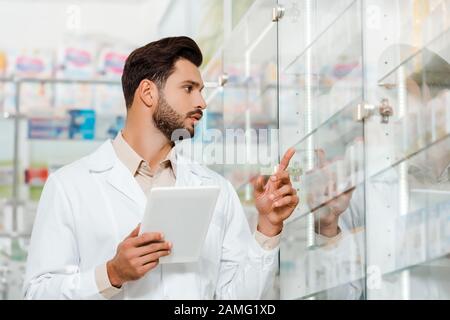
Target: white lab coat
[88,207]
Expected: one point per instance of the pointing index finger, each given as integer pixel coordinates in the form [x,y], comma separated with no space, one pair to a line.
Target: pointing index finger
[286,159]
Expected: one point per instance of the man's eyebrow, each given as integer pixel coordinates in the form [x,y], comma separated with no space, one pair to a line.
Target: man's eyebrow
[194,83]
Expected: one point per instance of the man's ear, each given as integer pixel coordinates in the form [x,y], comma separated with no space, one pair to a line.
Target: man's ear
[148,93]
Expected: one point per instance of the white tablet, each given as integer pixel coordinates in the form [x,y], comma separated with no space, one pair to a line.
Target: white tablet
[183,215]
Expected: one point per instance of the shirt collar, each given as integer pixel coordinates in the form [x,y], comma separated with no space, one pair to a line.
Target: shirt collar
[132,160]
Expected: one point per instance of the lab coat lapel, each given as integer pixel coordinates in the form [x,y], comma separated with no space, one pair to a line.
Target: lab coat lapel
[121,179]
[105,161]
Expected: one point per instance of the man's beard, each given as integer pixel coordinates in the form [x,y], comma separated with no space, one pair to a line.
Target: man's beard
[167,120]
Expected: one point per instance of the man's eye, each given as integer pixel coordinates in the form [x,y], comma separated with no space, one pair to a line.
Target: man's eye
[188,89]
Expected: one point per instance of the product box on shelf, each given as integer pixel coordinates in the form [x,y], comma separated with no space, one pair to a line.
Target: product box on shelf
[3,61]
[82,124]
[3,95]
[34,64]
[76,58]
[36,176]
[48,128]
[111,62]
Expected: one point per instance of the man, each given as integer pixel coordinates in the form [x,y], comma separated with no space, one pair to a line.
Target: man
[86,243]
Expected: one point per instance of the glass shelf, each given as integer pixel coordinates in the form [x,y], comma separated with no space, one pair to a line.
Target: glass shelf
[321,14]
[426,280]
[443,142]
[350,290]
[431,31]
[337,153]
[412,59]
[412,201]
[419,93]
[339,28]
[307,270]
[345,115]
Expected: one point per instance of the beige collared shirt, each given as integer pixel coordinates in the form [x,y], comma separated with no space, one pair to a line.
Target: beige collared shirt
[163,176]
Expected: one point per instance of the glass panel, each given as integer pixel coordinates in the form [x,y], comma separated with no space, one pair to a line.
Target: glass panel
[407,89]
[321,86]
[239,7]
[210,27]
[250,98]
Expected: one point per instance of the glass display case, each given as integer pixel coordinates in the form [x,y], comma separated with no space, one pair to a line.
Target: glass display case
[360,89]
[364,100]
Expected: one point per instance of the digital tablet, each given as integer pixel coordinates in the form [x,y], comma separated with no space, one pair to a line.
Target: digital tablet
[183,215]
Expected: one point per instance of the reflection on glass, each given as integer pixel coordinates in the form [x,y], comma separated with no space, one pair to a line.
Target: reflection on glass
[332,269]
[413,238]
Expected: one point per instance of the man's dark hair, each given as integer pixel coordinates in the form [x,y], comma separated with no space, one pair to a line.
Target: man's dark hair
[156,62]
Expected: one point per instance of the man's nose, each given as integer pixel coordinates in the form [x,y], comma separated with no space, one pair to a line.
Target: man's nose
[201,104]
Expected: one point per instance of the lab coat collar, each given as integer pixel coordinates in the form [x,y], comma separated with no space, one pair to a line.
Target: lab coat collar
[105,160]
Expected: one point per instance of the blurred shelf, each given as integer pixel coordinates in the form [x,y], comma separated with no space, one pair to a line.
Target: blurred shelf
[55,114]
[51,140]
[13,235]
[61,80]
